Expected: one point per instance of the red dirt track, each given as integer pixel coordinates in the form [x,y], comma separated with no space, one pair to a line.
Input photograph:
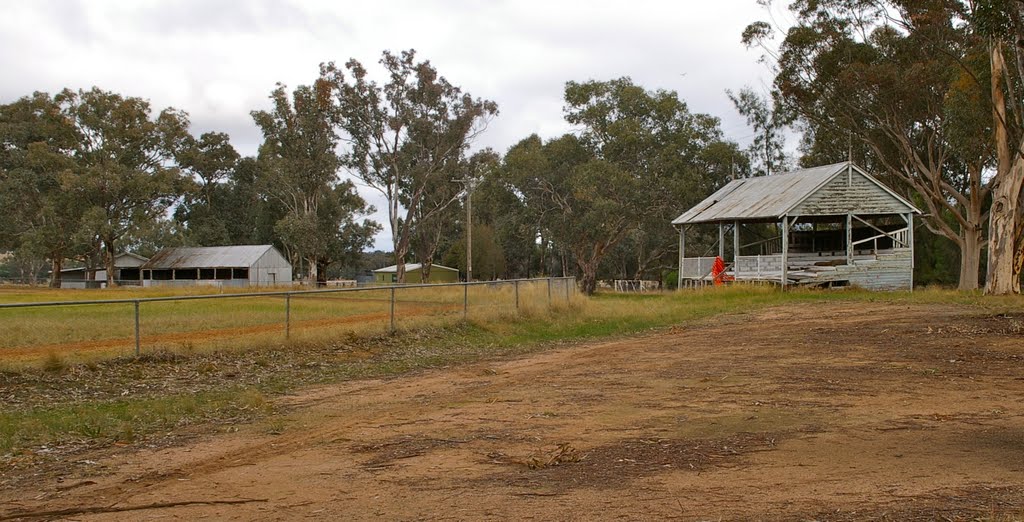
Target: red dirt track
[842,411]
[197,337]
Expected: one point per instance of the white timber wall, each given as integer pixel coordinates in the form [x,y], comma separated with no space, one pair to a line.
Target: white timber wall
[893,270]
[850,193]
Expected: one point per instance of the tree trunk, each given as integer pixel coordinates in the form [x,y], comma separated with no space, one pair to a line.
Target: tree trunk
[588,283]
[1002,249]
[55,267]
[108,259]
[401,249]
[425,267]
[543,255]
[970,259]
[313,273]
[321,274]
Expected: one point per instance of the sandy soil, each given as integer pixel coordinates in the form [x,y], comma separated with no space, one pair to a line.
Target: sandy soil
[829,412]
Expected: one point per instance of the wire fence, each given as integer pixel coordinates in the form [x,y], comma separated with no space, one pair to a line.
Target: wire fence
[35,329]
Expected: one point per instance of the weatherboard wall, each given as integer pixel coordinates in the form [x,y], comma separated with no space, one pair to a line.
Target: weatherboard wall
[850,193]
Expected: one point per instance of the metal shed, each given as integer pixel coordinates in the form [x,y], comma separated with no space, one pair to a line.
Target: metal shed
[126,272]
[244,265]
[414,274]
[835,224]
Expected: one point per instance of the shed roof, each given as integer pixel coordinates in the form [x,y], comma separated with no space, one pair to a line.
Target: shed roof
[771,197]
[207,257]
[409,267]
[124,260]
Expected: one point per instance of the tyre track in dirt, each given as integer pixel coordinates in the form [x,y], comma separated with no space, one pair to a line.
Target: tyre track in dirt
[841,416]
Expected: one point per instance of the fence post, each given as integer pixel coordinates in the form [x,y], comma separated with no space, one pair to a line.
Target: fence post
[549,292]
[517,294]
[392,314]
[138,341]
[287,315]
[465,300]
[565,281]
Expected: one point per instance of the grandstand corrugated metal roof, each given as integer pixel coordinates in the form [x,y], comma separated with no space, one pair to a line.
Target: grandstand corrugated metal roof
[771,197]
[409,267]
[207,257]
[760,198]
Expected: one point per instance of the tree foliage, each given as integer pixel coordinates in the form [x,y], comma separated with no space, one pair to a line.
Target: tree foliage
[768,120]
[405,136]
[298,165]
[639,159]
[903,79]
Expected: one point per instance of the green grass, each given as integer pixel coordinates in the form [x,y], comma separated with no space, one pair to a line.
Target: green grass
[80,332]
[123,420]
[238,383]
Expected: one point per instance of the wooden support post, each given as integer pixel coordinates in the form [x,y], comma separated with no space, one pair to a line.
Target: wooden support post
[785,251]
[391,328]
[736,248]
[849,239]
[682,256]
[287,315]
[721,240]
[517,294]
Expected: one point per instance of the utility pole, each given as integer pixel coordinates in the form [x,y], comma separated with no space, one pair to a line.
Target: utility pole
[469,183]
[469,229]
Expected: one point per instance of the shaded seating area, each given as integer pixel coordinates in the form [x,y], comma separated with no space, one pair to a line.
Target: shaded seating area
[833,225]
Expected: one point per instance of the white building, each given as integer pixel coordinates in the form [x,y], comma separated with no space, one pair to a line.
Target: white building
[244,265]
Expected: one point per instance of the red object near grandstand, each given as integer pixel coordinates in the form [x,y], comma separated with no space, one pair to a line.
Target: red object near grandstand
[718,274]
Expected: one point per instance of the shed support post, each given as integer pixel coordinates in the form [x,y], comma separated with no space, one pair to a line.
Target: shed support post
[849,239]
[785,251]
[682,256]
[721,240]
[736,248]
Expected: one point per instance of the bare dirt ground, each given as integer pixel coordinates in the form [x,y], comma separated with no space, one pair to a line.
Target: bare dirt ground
[845,411]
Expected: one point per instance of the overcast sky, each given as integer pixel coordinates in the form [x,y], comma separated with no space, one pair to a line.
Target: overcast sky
[219,59]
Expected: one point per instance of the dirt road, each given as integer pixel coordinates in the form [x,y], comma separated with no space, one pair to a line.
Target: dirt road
[842,411]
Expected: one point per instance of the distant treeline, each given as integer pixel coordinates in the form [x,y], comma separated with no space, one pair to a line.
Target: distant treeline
[87,174]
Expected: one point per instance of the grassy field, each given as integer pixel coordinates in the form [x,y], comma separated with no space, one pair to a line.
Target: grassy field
[59,399]
[82,333]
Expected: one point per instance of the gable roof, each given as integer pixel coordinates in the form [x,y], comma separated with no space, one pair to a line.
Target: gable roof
[135,261]
[409,267]
[207,257]
[771,197]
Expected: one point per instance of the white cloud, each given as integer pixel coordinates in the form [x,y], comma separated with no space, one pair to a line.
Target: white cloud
[219,59]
